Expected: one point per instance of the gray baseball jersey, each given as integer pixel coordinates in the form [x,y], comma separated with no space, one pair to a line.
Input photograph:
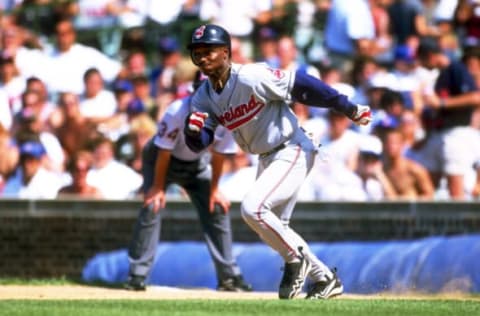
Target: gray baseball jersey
[171,137]
[254,105]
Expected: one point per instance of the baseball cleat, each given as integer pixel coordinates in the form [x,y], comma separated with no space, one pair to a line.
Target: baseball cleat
[326,289]
[294,275]
[362,115]
[234,284]
[135,283]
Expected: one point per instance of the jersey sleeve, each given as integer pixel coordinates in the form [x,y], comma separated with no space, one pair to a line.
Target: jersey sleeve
[270,83]
[170,127]
[201,102]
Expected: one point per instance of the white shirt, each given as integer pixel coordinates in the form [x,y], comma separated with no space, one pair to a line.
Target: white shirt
[234,15]
[164,12]
[115,181]
[68,68]
[44,185]
[14,90]
[6,116]
[100,106]
[236,184]
[54,149]
[33,63]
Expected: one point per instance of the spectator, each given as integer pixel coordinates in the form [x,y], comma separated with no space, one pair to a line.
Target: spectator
[161,22]
[141,91]
[97,103]
[38,16]
[375,183]
[11,83]
[476,188]
[161,77]
[411,128]
[31,180]
[267,47]
[471,59]
[97,23]
[78,168]
[6,118]
[70,60]
[9,156]
[73,129]
[112,178]
[31,127]
[238,53]
[238,17]
[45,107]
[129,146]
[135,64]
[363,70]
[30,62]
[289,58]
[239,176]
[448,124]
[409,179]
[408,77]
[409,21]
[333,181]
[349,32]
[467,18]
[340,141]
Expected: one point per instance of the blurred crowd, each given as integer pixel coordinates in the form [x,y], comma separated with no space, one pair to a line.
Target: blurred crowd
[83,84]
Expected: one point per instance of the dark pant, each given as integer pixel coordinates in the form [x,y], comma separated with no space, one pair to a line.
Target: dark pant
[195,178]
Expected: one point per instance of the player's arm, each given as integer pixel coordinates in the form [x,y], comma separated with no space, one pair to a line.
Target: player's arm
[314,92]
[197,136]
[156,194]
[216,197]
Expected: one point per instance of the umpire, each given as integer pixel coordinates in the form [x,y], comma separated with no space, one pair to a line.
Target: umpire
[166,160]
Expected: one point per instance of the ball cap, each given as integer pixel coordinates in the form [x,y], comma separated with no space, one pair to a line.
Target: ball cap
[404,53]
[33,149]
[370,145]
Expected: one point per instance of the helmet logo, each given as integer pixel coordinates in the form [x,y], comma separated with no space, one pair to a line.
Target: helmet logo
[199,32]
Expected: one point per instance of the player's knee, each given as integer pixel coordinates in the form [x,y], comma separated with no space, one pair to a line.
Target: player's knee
[252,210]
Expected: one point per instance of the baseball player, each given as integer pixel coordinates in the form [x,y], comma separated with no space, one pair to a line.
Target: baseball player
[166,159]
[252,101]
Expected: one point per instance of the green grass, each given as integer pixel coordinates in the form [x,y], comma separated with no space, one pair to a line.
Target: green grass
[338,307]
[36,281]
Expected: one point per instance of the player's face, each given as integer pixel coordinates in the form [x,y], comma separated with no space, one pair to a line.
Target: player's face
[210,58]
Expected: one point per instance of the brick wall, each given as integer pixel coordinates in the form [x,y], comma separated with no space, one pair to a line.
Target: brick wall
[40,239]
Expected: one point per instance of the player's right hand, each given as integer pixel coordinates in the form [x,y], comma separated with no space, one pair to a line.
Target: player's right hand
[196,121]
[363,115]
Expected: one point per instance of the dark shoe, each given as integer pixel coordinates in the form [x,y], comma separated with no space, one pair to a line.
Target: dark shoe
[135,283]
[294,275]
[326,289]
[234,284]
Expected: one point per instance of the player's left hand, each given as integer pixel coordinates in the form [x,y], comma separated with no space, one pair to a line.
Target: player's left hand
[217,197]
[156,197]
[363,115]
[196,121]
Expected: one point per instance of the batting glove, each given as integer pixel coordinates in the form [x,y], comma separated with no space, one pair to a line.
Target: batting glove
[362,115]
[196,121]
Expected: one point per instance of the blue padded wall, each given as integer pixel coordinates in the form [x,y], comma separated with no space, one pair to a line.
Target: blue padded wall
[431,265]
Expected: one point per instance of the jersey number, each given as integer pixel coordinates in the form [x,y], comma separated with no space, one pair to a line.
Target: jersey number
[162,131]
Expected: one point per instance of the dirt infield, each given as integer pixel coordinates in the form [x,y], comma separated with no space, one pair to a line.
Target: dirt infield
[82,292]
[92,292]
